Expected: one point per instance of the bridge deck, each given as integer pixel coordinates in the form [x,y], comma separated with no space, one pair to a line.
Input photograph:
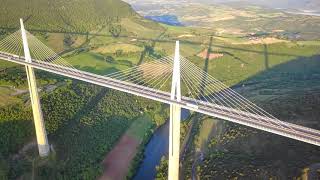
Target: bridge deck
[289,130]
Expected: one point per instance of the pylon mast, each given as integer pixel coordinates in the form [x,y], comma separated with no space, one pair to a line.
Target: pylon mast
[175,117]
[41,134]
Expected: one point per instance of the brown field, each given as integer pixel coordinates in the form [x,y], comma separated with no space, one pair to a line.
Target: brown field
[116,164]
[152,69]
[118,161]
[204,55]
[268,40]
[55,41]
[235,31]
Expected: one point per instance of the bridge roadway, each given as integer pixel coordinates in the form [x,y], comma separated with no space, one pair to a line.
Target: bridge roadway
[275,126]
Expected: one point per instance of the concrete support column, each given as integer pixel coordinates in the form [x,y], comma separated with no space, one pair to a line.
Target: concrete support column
[175,117]
[174,151]
[41,134]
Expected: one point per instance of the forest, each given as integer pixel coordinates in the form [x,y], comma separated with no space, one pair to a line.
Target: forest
[63,16]
[83,123]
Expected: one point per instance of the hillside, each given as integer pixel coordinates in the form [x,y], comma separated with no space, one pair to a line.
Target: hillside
[289,4]
[290,91]
[60,15]
[239,18]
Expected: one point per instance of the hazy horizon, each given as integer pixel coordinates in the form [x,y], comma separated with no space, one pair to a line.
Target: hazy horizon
[284,4]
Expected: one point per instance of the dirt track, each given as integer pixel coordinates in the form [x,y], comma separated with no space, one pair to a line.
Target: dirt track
[117,162]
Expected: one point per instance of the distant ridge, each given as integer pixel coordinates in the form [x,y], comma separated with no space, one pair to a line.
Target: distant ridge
[285,4]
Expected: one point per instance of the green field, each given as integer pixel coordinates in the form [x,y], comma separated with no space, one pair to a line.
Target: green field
[95,63]
[140,127]
[239,19]
[6,97]
[205,133]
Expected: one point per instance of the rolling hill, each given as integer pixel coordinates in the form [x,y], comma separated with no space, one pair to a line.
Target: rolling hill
[241,18]
[60,15]
[285,4]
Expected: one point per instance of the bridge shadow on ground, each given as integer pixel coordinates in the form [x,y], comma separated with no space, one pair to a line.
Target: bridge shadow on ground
[149,49]
[159,40]
[288,84]
[206,67]
[291,92]
[297,79]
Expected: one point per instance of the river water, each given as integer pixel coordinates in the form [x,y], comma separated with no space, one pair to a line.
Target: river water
[166,19]
[309,13]
[157,147]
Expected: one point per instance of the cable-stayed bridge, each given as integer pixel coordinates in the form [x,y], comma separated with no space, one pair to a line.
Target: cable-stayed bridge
[191,88]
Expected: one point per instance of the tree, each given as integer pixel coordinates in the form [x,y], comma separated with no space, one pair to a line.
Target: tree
[109,59]
[115,30]
[3,168]
[119,52]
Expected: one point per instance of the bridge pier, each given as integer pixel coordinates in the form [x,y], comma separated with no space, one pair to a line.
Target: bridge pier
[174,151]
[42,140]
[175,118]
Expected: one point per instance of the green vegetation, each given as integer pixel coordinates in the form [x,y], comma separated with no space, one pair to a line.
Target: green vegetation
[96,63]
[140,126]
[239,19]
[162,169]
[77,114]
[99,123]
[16,128]
[142,129]
[290,92]
[205,132]
[61,16]
[6,97]
[241,62]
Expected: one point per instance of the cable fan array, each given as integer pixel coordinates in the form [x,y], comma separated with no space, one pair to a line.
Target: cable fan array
[12,44]
[197,85]
[155,74]
[38,50]
[211,92]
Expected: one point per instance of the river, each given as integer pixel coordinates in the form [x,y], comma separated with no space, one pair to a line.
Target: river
[156,148]
[166,19]
[305,13]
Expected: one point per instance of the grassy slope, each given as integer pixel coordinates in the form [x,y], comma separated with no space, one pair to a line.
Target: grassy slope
[242,19]
[140,126]
[63,15]
[92,62]
[290,91]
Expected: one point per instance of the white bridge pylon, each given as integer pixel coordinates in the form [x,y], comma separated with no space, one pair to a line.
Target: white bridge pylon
[175,118]
[42,140]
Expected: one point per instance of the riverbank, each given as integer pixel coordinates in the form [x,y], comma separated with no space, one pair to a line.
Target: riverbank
[122,160]
[155,149]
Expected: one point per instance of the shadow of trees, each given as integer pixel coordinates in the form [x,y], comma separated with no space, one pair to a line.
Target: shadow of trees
[266,56]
